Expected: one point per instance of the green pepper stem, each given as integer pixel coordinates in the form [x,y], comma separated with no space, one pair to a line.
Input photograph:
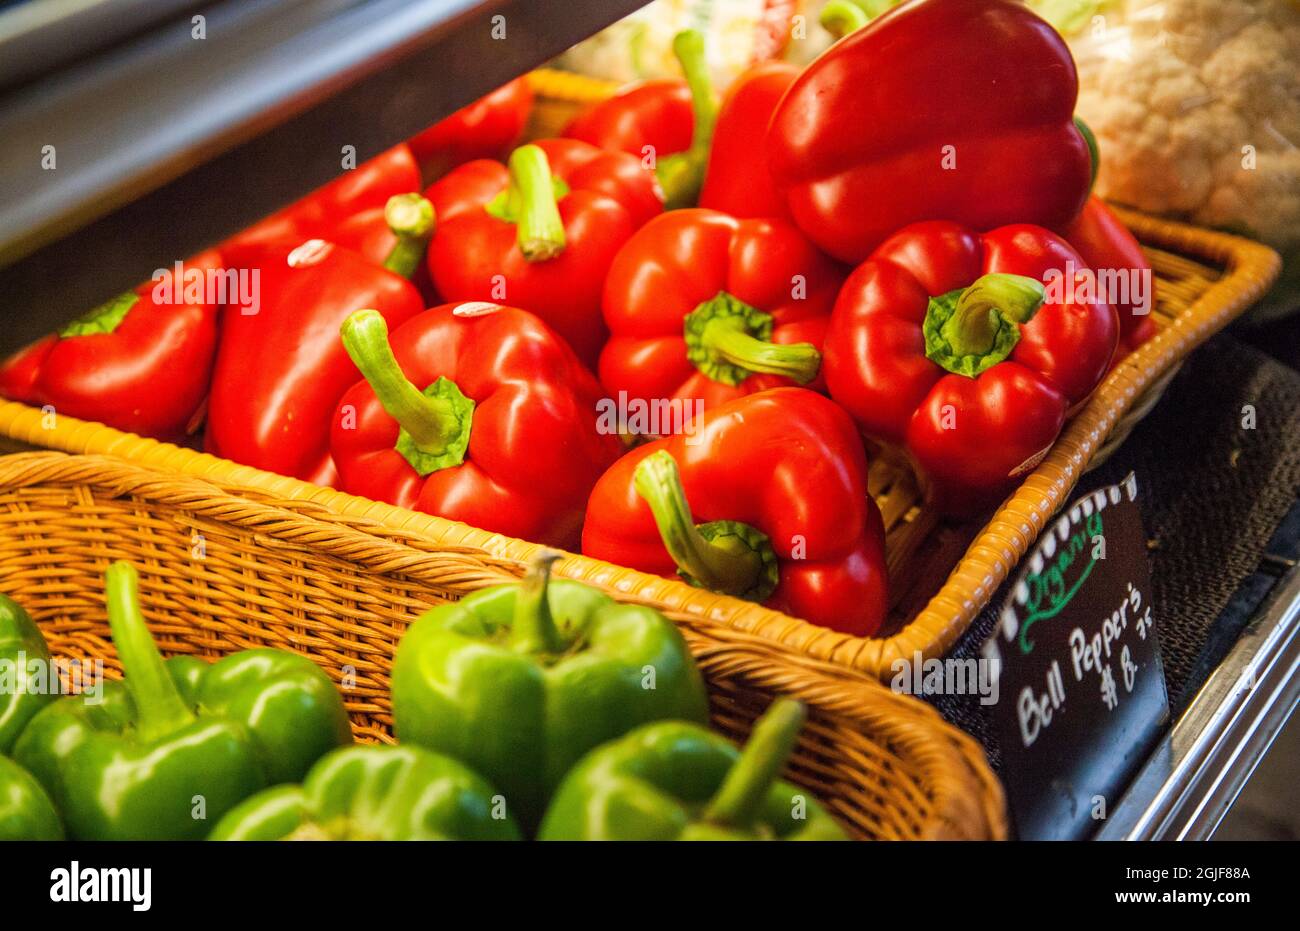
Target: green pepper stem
[159,708]
[410,218]
[1094,151]
[681,174]
[727,570]
[972,328]
[746,785]
[688,46]
[540,230]
[841,17]
[431,422]
[728,338]
[533,629]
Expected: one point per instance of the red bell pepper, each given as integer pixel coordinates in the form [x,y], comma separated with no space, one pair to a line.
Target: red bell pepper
[475,412]
[487,128]
[139,362]
[1108,247]
[777,483]
[668,123]
[649,116]
[502,235]
[320,213]
[281,370]
[939,109]
[948,342]
[738,180]
[703,306]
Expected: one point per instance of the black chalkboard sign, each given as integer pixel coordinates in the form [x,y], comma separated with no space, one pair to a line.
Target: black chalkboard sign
[1081,689]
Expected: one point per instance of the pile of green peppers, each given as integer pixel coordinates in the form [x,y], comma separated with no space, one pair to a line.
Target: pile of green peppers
[174,745]
[542,708]
[26,812]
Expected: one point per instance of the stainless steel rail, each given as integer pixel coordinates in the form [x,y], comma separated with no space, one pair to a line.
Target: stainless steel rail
[164,143]
[37,37]
[1195,773]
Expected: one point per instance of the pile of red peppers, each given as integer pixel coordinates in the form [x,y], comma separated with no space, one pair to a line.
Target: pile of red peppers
[669,337]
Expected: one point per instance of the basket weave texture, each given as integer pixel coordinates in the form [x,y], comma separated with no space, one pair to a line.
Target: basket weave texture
[941,576]
[225,567]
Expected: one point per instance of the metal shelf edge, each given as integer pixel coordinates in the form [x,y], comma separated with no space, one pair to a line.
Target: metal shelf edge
[1196,771]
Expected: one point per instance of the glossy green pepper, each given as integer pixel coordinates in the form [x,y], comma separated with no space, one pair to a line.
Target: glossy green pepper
[26,812]
[678,781]
[521,680]
[21,695]
[178,743]
[375,793]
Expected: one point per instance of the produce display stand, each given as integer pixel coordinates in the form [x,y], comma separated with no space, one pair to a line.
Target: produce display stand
[922,777]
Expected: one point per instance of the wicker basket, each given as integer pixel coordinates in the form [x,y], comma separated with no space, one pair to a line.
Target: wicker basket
[228,568]
[941,575]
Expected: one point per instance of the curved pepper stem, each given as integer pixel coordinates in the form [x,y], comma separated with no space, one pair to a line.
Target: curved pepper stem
[531,204]
[841,17]
[435,423]
[970,331]
[533,629]
[723,556]
[681,174]
[411,219]
[728,340]
[1094,152]
[159,708]
[740,798]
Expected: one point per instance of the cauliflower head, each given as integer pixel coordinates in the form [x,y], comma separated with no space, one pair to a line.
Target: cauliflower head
[1196,107]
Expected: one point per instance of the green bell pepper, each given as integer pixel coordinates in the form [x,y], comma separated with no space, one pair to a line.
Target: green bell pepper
[179,741]
[21,644]
[678,781]
[26,812]
[521,680]
[375,793]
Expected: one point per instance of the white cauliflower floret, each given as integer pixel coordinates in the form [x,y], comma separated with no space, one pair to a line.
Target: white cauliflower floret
[1196,107]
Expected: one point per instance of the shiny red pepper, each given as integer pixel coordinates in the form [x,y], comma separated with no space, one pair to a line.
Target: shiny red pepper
[1105,243]
[320,213]
[777,484]
[939,109]
[949,342]
[738,180]
[643,117]
[487,128]
[475,412]
[541,234]
[703,306]
[140,362]
[668,124]
[281,369]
